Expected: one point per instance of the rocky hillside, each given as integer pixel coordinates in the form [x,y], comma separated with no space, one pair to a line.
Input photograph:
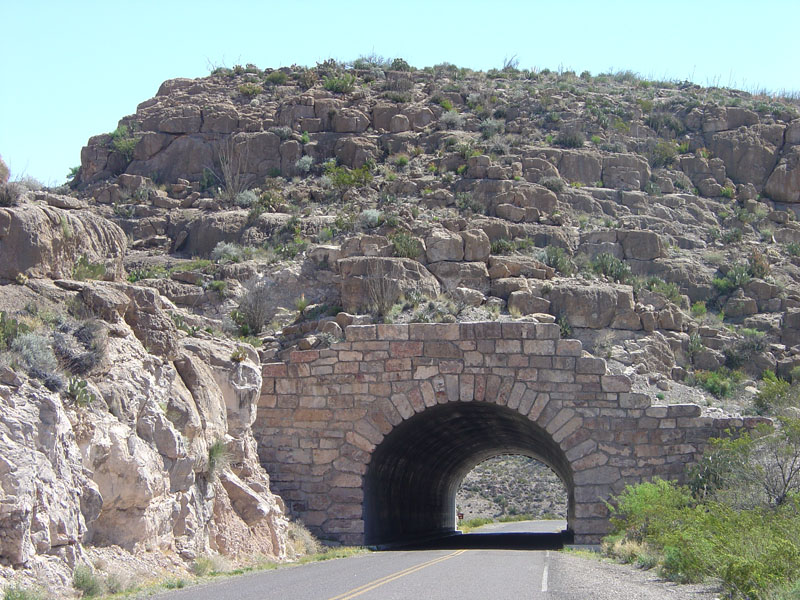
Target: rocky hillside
[239,215]
[512,487]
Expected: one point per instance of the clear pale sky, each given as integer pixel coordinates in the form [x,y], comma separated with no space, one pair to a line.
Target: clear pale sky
[71,70]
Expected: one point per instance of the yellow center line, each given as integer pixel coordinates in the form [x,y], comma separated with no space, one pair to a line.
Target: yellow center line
[393,576]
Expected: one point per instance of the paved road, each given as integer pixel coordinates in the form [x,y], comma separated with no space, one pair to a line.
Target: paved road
[468,572]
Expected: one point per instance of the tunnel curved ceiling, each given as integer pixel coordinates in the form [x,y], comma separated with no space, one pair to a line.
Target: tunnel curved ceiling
[414,474]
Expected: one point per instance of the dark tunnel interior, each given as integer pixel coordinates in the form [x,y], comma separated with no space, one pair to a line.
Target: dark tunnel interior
[414,474]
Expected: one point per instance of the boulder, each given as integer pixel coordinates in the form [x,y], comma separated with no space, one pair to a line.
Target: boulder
[625,172]
[783,184]
[749,153]
[641,245]
[442,244]
[477,246]
[582,166]
[527,303]
[594,306]
[454,275]
[43,241]
[370,282]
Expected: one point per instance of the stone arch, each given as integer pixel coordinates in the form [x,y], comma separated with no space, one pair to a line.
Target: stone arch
[326,415]
[414,473]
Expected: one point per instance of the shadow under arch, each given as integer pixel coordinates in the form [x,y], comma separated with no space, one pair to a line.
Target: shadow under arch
[414,473]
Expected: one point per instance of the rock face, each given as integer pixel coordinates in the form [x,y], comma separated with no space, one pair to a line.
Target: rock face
[158,454]
[368,282]
[42,241]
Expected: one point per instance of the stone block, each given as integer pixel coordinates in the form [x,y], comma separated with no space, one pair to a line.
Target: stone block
[569,348]
[358,333]
[434,331]
[615,383]
[683,410]
[392,332]
[592,366]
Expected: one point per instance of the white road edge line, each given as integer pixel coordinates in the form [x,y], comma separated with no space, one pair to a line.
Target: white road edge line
[544,573]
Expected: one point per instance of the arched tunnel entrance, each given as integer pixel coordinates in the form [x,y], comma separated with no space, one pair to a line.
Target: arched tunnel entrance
[414,473]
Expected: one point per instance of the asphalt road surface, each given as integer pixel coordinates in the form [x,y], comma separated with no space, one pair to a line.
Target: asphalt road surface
[476,569]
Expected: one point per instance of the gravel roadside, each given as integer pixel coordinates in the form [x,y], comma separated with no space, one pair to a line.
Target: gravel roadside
[574,577]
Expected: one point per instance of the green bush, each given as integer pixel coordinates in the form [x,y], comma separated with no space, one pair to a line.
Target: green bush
[10,328]
[612,267]
[83,269]
[406,245]
[699,309]
[553,183]
[557,257]
[84,580]
[774,393]
[793,248]
[570,139]
[737,276]
[250,90]
[503,246]
[218,458]
[17,592]
[276,78]
[339,84]
[35,353]
[750,551]
[663,154]
[343,178]
[721,383]
[123,141]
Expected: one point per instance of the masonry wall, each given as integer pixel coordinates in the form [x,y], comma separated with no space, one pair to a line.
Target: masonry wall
[323,412]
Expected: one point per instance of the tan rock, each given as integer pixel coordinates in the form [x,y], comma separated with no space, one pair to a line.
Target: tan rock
[453,275]
[370,281]
[477,246]
[442,244]
[41,241]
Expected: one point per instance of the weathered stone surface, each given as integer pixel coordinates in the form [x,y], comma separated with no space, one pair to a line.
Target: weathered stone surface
[41,241]
[527,303]
[625,171]
[442,244]
[476,245]
[749,153]
[783,184]
[589,306]
[371,281]
[454,275]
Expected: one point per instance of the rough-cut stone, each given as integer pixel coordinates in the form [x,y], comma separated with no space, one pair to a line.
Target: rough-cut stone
[370,281]
[442,244]
[41,241]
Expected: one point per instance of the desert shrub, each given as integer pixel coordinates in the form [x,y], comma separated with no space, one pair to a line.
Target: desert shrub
[35,354]
[77,390]
[664,123]
[721,383]
[303,164]
[793,248]
[342,83]
[732,236]
[774,393]
[256,307]
[743,350]
[669,290]
[406,245]
[84,580]
[502,246]
[553,183]
[10,193]
[230,252]
[218,458]
[250,90]
[123,141]
[492,127]
[246,199]
[557,257]
[758,264]
[662,154]
[451,120]
[17,592]
[737,276]
[82,349]
[699,309]
[610,266]
[398,64]
[749,551]
[466,202]
[369,218]
[84,269]
[570,139]
[343,178]
[10,328]
[276,78]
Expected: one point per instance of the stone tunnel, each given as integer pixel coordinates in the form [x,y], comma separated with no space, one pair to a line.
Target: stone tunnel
[368,441]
